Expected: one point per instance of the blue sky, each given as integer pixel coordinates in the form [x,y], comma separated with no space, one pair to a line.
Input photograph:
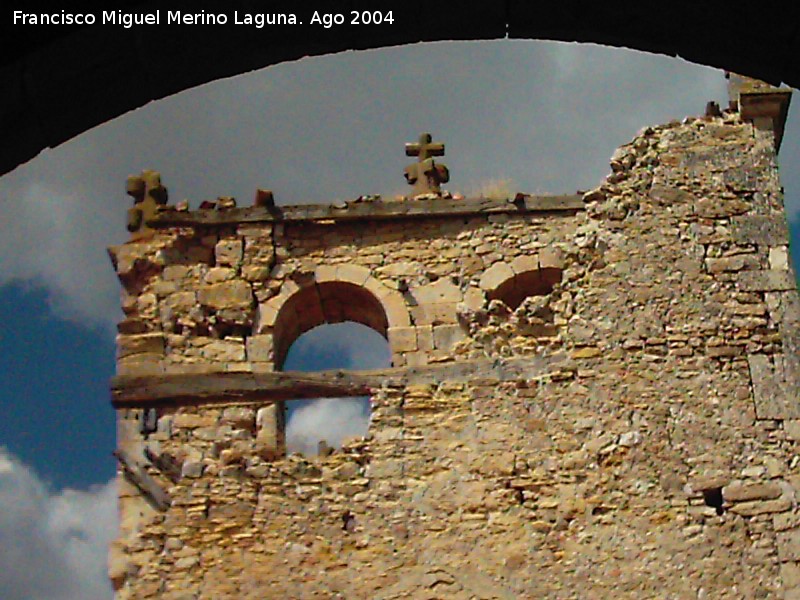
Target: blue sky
[54,382]
[545,116]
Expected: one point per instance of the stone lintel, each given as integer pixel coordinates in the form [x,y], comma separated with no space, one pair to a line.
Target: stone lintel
[128,391]
[368,211]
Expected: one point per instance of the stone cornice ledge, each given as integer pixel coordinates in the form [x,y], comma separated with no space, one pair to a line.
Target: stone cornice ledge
[369,211]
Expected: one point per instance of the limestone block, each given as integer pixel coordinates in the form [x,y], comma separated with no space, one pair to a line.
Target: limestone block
[789,545]
[229,294]
[761,507]
[255,272]
[396,310]
[442,290]
[146,304]
[174,272]
[760,229]
[766,281]
[435,314]
[446,336]
[376,287]
[193,421]
[270,431]
[713,208]
[403,339]
[586,352]
[145,343]
[259,348]
[790,574]
[474,299]
[738,491]
[709,481]
[495,275]
[325,273]
[779,258]
[211,434]
[241,417]
[425,338]
[163,288]
[180,302]
[787,520]
[525,263]
[385,469]
[792,429]
[352,274]
[738,262]
[724,351]
[217,274]
[413,359]
[267,313]
[399,269]
[224,351]
[289,288]
[192,470]
[229,252]
[773,387]
[551,258]
[118,564]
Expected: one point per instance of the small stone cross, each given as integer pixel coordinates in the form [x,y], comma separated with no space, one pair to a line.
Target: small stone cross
[425,175]
[148,195]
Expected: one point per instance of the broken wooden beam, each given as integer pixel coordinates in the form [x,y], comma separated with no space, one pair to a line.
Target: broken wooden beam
[136,474]
[165,463]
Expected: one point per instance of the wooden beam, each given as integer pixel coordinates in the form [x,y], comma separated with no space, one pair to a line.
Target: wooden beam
[369,211]
[137,475]
[172,389]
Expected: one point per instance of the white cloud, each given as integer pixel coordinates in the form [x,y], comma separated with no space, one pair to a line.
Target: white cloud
[56,239]
[343,345]
[330,419]
[54,544]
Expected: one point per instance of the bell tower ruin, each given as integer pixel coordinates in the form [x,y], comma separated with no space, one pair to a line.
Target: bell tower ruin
[591,396]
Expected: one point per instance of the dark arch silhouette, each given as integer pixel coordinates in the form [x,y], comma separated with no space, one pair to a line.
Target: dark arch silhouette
[58,81]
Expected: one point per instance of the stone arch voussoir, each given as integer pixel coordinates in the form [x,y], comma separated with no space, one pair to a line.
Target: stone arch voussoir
[337,294]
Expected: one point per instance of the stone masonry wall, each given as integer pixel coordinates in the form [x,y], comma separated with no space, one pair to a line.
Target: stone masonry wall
[628,426]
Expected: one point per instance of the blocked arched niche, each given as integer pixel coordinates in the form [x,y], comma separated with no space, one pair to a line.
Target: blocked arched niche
[336,295]
[514,290]
[525,276]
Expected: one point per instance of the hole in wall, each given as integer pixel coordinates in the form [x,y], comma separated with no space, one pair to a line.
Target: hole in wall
[713,498]
[315,426]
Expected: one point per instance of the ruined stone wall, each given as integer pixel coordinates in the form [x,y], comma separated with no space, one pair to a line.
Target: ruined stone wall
[591,402]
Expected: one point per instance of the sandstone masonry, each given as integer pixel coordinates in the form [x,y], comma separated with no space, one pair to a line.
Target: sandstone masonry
[591,396]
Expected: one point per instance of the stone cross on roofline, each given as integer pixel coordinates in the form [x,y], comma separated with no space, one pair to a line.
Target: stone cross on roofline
[148,196]
[425,175]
